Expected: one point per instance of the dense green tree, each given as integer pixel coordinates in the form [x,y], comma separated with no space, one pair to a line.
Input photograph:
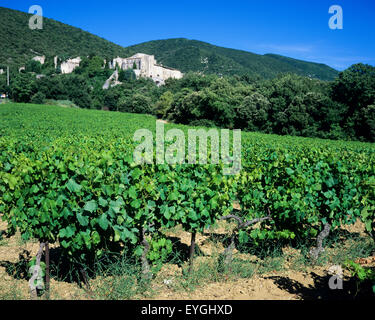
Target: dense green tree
[23,87]
[33,66]
[111,98]
[286,95]
[369,122]
[355,87]
[252,113]
[191,80]
[77,90]
[126,75]
[206,104]
[163,104]
[3,83]
[52,87]
[91,66]
[137,103]
[38,98]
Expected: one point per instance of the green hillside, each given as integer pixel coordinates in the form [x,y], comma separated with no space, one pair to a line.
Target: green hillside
[192,55]
[20,44]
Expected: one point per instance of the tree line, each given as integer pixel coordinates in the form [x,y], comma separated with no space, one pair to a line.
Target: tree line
[286,105]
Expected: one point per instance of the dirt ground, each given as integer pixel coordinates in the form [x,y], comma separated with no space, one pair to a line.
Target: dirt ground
[287,284]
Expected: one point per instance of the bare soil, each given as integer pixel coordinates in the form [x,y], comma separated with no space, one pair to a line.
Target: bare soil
[287,284]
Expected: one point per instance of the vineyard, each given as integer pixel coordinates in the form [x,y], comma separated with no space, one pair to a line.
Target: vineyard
[67,177]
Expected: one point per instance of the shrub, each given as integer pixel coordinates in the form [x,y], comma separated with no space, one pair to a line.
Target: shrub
[38,98]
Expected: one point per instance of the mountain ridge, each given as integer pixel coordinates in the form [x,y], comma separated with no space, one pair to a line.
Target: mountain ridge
[20,44]
[229,61]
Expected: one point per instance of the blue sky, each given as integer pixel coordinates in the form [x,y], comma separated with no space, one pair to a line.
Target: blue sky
[297,29]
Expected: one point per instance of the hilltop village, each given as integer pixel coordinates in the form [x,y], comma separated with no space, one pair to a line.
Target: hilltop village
[143,65]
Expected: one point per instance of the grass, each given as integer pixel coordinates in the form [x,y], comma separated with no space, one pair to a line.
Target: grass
[119,277]
[300,262]
[242,269]
[353,249]
[11,292]
[3,242]
[4,101]
[262,260]
[61,103]
[204,271]
[271,264]
[120,280]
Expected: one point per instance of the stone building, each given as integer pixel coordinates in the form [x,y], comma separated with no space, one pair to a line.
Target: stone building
[145,66]
[41,59]
[69,65]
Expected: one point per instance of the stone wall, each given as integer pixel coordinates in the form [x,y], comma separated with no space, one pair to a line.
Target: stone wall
[147,67]
[41,59]
[126,63]
[69,65]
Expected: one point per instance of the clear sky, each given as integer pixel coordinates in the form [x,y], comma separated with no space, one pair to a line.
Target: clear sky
[297,29]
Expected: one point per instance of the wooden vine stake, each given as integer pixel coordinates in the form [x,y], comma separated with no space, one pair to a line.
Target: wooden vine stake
[46,252]
[228,253]
[315,252]
[36,281]
[85,279]
[146,274]
[192,250]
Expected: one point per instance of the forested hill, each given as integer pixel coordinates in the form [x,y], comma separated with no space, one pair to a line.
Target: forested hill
[192,55]
[19,44]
